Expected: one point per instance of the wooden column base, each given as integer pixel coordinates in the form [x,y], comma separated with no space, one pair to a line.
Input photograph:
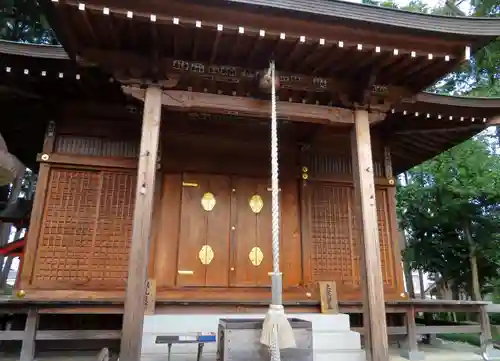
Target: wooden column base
[410,346]
[28,348]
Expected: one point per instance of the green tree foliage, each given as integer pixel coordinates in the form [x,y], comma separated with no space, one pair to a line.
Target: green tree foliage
[22,21]
[450,210]
[450,207]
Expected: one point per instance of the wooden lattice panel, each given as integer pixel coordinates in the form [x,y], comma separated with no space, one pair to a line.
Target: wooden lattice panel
[98,147]
[333,255]
[114,227]
[336,247]
[386,247]
[327,165]
[86,229]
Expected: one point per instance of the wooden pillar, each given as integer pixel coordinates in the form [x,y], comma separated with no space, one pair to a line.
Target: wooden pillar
[36,217]
[485,336]
[410,347]
[374,318]
[133,316]
[28,347]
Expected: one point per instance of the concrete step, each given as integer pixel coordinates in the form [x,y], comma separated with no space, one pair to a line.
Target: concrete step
[208,323]
[331,341]
[341,355]
[332,337]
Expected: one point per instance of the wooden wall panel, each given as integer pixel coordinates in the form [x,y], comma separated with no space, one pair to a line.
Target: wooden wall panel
[87,225]
[110,249]
[291,257]
[98,147]
[167,235]
[86,229]
[335,248]
[334,253]
[324,166]
[390,252]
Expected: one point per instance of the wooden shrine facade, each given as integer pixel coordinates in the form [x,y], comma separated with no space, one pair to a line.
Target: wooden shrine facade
[183,198]
[87,214]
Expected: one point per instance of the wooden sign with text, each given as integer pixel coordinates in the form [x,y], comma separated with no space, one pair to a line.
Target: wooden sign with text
[328,294]
[150,301]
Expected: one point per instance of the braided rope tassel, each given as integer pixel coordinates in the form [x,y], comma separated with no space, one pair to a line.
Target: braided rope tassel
[275,212]
[274,347]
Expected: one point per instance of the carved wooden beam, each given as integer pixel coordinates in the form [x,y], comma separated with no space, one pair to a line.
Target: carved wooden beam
[232,105]
[123,63]
[130,68]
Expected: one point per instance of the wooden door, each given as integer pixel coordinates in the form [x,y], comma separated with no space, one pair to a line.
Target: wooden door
[203,258]
[251,250]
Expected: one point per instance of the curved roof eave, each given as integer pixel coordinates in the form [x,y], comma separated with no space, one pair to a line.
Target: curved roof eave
[465,26]
[58,52]
[33,50]
[458,101]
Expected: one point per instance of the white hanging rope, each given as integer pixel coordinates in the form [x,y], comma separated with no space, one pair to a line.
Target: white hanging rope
[276,293]
[275,211]
[277,332]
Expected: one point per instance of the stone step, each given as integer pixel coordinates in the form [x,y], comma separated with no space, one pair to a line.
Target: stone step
[341,355]
[209,323]
[325,341]
[332,336]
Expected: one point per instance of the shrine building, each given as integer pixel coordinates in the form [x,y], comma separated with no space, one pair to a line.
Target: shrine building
[150,138]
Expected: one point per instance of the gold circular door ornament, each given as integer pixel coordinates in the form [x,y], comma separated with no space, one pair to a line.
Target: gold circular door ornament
[208,201]
[206,254]
[256,256]
[256,203]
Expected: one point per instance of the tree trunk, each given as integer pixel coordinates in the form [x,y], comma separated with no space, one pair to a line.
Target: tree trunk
[421,281]
[409,280]
[407,267]
[476,290]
